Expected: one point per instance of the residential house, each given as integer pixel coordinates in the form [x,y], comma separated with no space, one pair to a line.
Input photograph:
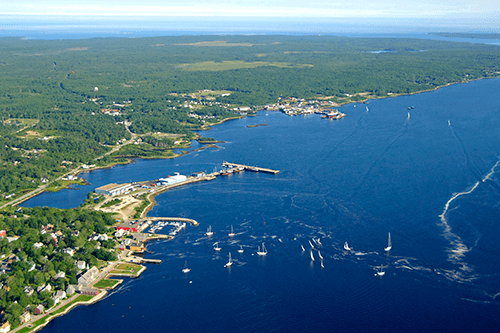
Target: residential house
[59,275]
[39,309]
[28,290]
[81,264]
[5,327]
[70,290]
[25,317]
[69,251]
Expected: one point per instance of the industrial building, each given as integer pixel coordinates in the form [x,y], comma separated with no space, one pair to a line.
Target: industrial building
[176,178]
[114,189]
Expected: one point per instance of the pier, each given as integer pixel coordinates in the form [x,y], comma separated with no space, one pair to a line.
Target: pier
[250,168]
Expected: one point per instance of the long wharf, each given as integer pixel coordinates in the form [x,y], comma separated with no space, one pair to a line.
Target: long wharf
[250,168]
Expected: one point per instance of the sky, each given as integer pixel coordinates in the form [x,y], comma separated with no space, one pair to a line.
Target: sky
[431,9]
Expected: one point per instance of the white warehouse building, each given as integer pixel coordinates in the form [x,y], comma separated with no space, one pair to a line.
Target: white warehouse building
[176,178]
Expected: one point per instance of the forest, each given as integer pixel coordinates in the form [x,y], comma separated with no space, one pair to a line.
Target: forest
[67,102]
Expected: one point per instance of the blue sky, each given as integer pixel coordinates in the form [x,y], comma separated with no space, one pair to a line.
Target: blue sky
[431,9]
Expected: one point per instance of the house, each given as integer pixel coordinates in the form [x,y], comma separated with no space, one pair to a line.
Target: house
[70,290]
[44,180]
[61,294]
[59,275]
[5,327]
[3,233]
[89,276]
[48,287]
[39,309]
[25,317]
[89,291]
[69,251]
[28,290]
[81,264]
[38,245]
[56,299]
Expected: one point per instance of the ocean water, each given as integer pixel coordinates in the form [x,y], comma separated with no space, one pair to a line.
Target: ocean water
[430,178]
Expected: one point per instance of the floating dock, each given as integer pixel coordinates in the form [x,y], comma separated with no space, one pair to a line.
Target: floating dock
[250,168]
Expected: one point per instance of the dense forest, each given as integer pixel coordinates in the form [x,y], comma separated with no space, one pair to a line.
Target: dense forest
[68,101]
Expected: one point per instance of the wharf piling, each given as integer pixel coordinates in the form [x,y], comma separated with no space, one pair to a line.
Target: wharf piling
[250,168]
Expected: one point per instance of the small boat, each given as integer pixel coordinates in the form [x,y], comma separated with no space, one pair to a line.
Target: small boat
[322,266]
[389,244]
[449,124]
[366,109]
[231,234]
[320,256]
[241,249]
[381,271]
[230,262]
[186,269]
[263,252]
[209,231]
[319,241]
[312,246]
[346,247]
[408,115]
[216,247]
[302,248]
[312,257]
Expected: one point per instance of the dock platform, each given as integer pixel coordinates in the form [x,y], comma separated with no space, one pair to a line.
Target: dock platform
[250,168]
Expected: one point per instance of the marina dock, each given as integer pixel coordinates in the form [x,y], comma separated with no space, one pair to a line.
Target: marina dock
[250,168]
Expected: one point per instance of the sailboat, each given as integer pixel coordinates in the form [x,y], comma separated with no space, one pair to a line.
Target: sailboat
[216,247]
[241,249]
[408,115]
[302,248]
[230,262]
[312,257]
[346,247]
[231,234]
[209,231]
[263,252]
[312,246]
[389,244]
[322,266]
[319,241]
[186,269]
[381,271]
[320,256]
[366,109]
[449,124]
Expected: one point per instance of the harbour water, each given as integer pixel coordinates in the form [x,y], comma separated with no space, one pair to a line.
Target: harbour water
[431,183]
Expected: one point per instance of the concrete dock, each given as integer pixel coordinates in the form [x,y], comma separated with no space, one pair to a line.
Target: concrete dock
[250,168]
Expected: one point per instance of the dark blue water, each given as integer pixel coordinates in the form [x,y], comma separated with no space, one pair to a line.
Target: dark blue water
[434,186]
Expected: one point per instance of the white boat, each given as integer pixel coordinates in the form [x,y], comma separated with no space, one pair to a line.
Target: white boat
[312,246]
[389,244]
[322,266]
[230,262]
[381,271]
[231,234]
[209,231]
[263,252]
[366,109]
[302,248]
[186,269]
[408,115]
[216,247]
[320,256]
[312,257]
[241,249]
[319,241]
[346,247]
[449,124]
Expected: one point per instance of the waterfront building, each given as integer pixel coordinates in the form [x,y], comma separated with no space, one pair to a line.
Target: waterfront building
[114,189]
[89,291]
[39,309]
[89,276]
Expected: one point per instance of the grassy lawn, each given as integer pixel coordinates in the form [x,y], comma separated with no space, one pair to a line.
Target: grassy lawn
[105,283]
[213,66]
[34,325]
[126,269]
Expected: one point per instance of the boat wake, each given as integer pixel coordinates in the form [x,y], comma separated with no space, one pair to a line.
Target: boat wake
[458,248]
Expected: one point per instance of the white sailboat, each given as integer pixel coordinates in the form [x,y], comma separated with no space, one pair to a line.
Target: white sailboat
[186,269]
[241,249]
[263,252]
[230,262]
[346,247]
[312,246]
[320,256]
[216,247]
[302,248]
[231,234]
[408,115]
[389,244]
[319,241]
[312,257]
[322,266]
[449,124]
[381,271]
[209,231]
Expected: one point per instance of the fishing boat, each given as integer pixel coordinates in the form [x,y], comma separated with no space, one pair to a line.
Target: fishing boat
[263,252]
[186,269]
[209,231]
[381,271]
[241,249]
[346,247]
[216,247]
[389,244]
[312,257]
[230,262]
[320,256]
[231,234]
